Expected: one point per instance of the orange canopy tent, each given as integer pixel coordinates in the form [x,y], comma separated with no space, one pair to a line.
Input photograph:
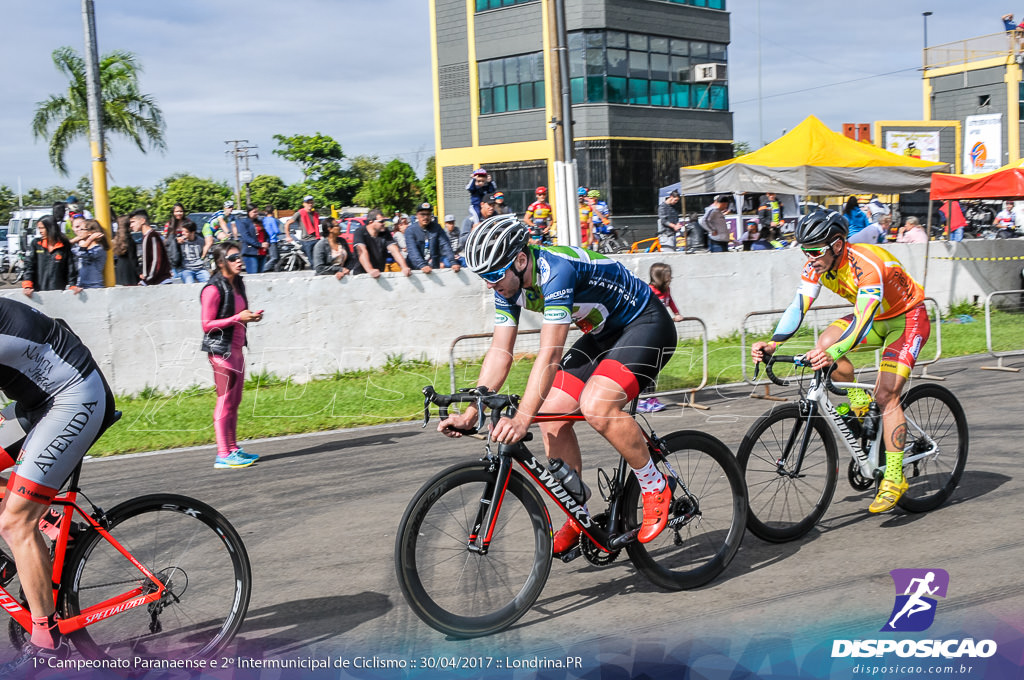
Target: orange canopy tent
[1006,182]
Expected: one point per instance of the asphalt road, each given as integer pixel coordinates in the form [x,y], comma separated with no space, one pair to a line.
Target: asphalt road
[319,513]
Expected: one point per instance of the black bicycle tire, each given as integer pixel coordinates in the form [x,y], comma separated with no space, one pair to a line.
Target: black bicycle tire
[619,245]
[910,501]
[408,536]
[759,526]
[69,602]
[651,563]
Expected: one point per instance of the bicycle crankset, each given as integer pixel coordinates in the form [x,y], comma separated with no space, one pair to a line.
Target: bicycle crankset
[858,481]
[595,555]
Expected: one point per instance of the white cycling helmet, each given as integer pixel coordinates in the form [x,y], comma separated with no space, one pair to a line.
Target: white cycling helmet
[495,242]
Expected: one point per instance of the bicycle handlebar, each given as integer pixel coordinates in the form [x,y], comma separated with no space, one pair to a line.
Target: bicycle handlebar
[797,360]
[499,404]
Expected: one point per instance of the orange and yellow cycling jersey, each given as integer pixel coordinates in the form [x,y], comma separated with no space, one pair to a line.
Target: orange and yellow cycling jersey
[585,215]
[868,266]
[869,277]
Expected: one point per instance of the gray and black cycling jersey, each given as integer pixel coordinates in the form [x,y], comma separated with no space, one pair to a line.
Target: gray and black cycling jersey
[39,357]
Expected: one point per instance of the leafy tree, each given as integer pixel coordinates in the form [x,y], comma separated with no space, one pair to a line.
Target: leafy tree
[394,189]
[8,202]
[267,190]
[740,149]
[125,111]
[194,193]
[47,196]
[365,168]
[319,156]
[125,200]
[428,185]
[83,190]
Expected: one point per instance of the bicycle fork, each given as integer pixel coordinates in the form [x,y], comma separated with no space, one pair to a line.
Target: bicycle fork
[490,504]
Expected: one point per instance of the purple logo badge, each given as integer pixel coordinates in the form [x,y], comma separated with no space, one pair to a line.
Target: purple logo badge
[916,589]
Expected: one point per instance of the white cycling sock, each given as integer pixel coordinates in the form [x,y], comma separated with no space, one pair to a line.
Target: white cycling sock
[650,478]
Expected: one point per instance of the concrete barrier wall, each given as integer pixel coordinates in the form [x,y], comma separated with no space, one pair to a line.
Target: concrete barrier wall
[315,326]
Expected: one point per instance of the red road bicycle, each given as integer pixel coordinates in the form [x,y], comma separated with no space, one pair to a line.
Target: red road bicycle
[158,576]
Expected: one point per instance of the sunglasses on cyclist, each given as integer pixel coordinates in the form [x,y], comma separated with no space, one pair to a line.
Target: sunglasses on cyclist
[497,275]
[816,253]
[234,257]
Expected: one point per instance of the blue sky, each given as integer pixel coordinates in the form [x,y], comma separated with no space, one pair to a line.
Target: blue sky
[359,70]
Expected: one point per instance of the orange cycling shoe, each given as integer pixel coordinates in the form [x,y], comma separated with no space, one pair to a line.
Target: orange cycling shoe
[656,507]
[567,537]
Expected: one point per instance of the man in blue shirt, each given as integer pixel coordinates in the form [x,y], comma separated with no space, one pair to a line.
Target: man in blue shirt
[273,228]
[427,244]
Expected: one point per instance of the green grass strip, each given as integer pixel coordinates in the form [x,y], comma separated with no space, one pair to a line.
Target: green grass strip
[272,406]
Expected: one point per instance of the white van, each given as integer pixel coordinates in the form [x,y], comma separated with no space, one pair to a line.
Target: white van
[22,227]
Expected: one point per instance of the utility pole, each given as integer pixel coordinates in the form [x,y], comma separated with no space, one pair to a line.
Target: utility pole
[247,174]
[566,215]
[239,151]
[100,198]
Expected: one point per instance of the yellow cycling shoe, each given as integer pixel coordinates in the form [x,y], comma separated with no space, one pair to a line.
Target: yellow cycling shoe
[888,493]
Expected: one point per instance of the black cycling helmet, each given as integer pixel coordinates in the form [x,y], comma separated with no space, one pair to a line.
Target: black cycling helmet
[821,227]
[495,242]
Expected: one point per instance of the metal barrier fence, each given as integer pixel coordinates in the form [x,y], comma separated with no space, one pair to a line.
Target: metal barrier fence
[1008,339]
[467,348]
[816,319]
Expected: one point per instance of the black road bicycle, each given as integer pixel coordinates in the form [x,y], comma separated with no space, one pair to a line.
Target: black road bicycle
[474,547]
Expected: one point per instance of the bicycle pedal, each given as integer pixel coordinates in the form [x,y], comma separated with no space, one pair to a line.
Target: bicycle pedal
[570,555]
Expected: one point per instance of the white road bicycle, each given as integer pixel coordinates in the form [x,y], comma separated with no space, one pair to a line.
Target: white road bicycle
[790,460]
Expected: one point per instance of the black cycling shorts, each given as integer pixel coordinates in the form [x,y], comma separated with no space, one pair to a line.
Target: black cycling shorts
[632,356]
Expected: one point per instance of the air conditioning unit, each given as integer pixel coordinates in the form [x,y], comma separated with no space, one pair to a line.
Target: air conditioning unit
[683,75]
[708,73]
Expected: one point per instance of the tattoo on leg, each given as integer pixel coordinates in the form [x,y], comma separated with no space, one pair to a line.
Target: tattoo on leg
[899,436]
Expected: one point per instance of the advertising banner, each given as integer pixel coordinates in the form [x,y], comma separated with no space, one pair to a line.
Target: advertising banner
[983,143]
[923,144]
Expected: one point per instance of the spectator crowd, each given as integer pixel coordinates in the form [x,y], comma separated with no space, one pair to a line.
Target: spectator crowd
[70,249]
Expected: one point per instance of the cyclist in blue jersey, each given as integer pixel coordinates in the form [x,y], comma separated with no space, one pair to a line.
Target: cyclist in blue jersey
[628,337]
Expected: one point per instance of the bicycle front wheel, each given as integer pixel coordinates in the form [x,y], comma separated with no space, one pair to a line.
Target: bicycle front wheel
[936,426]
[706,520]
[786,503]
[453,589]
[191,549]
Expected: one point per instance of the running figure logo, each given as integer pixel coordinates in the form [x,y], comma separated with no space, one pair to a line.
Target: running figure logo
[914,609]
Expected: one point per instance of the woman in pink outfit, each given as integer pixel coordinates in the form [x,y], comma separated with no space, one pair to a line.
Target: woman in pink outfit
[225,315]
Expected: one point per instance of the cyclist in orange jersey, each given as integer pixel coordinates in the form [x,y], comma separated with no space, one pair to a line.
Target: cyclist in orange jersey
[586,217]
[889,313]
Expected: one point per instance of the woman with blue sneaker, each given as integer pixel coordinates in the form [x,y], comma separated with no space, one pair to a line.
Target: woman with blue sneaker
[225,315]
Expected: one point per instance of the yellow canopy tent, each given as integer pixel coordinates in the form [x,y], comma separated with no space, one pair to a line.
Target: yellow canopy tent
[811,159]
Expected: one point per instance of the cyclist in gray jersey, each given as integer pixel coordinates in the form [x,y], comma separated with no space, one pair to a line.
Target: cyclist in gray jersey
[60,406]
[628,337]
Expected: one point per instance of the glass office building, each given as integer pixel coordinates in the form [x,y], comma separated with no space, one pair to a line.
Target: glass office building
[649,88]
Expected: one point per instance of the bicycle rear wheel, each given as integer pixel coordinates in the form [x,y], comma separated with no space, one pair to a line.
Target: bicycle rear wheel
[463,593]
[785,506]
[193,551]
[705,527]
[934,417]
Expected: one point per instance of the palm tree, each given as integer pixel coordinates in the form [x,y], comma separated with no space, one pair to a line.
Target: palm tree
[126,110]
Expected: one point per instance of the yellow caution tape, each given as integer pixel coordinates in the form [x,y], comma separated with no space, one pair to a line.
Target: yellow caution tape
[982,259]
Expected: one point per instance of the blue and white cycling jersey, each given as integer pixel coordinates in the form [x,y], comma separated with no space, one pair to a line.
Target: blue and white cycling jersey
[573,284]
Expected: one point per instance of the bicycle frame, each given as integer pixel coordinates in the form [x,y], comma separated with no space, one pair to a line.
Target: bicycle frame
[869,462]
[142,594]
[609,540]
